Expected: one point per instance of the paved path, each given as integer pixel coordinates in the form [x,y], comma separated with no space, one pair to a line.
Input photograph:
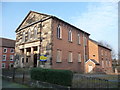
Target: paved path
[7,84]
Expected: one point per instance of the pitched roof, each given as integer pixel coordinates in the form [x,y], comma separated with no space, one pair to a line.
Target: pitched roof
[93,61]
[99,44]
[51,16]
[5,42]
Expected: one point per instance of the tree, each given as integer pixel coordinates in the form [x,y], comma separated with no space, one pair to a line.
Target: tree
[114,56]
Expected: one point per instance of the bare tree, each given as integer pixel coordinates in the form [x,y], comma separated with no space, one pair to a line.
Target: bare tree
[110,47]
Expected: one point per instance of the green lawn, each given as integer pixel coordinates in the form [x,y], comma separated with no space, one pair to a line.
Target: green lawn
[7,84]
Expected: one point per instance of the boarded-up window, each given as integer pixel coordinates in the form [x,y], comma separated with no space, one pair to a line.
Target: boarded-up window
[59,56]
[70,57]
[79,57]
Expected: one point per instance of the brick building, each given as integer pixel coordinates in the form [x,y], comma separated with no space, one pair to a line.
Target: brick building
[7,47]
[65,45]
[100,59]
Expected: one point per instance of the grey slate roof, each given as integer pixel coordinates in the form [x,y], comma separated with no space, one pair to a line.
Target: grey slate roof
[5,42]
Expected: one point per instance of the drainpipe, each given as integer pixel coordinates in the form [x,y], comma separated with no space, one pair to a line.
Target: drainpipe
[84,49]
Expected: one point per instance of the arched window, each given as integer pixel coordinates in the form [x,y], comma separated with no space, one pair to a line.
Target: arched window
[78,38]
[23,37]
[70,35]
[29,34]
[35,32]
[59,32]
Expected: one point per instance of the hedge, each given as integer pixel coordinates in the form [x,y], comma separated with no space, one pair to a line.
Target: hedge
[60,77]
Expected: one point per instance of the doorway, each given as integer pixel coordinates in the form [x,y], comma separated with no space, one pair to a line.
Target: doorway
[35,60]
[90,68]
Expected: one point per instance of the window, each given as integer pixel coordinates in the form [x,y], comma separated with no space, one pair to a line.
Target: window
[106,53]
[5,50]
[70,57]
[70,35]
[59,55]
[35,32]
[59,32]
[78,38]
[102,64]
[23,37]
[11,57]
[85,41]
[29,34]
[22,60]
[4,58]
[106,64]
[3,65]
[86,57]
[102,52]
[11,64]
[79,57]
[12,50]
[26,60]
[109,64]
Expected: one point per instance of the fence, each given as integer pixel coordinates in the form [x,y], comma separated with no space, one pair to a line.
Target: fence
[17,75]
[80,81]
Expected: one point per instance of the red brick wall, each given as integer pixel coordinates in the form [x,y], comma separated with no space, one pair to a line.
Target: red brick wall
[107,68]
[65,46]
[7,62]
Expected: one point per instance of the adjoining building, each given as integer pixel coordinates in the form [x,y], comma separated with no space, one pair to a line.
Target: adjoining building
[65,45]
[100,60]
[7,51]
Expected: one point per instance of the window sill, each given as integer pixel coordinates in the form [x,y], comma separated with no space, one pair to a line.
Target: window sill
[59,38]
[3,60]
[58,62]
[70,41]
[70,62]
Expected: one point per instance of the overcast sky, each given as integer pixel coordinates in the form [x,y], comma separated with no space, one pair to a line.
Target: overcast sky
[100,19]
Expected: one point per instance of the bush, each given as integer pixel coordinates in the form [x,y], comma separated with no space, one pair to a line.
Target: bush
[60,77]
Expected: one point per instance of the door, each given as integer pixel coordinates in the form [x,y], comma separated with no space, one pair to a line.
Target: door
[90,68]
[35,60]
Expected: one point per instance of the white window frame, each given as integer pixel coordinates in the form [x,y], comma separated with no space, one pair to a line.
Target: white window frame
[79,41]
[59,32]
[2,65]
[59,56]
[79,57]
[35,32]
[70,57]
[5,57]
[70,35]
[12,57]
[12,49]
[5,49]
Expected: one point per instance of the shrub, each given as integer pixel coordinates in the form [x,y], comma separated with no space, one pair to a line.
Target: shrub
[60,77]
